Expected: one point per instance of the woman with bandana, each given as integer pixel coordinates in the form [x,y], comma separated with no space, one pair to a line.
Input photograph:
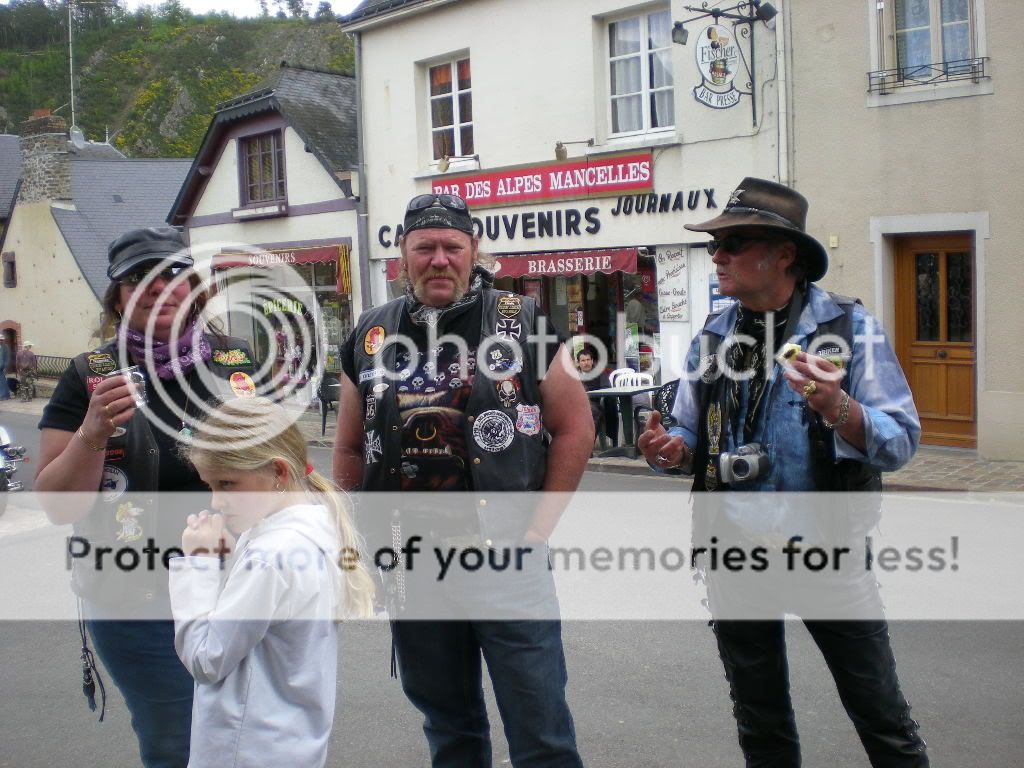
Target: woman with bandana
[95,437]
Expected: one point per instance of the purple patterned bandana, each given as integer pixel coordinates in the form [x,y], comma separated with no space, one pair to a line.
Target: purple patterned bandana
[191,347]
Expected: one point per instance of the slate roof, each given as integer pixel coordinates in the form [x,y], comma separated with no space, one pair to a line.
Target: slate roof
[95,150]
[10,173]
[370,8]
[111,197]
[319,105]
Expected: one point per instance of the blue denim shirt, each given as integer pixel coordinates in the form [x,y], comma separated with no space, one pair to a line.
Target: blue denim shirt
[873,378]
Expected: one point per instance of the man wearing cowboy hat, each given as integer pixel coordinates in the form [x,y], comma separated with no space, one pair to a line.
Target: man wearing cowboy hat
[790,389]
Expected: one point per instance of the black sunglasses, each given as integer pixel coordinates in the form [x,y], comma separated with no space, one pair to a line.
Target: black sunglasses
[139,275]
[422,202]
[736,243]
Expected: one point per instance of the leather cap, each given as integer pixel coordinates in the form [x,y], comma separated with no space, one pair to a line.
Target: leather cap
[767,205]
[145,246]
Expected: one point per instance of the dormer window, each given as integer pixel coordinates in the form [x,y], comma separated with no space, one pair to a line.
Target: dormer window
[263,168]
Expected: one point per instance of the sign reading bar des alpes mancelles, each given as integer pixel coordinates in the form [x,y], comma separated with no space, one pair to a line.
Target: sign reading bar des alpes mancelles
[608,176]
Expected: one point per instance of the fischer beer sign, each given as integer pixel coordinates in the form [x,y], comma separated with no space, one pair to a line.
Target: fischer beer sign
[608,176]
[718,57]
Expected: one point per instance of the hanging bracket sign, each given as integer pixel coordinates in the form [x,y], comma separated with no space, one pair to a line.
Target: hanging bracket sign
[717,59]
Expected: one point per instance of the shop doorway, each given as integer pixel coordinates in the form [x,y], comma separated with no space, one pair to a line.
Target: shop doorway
[936,336]
[616,309]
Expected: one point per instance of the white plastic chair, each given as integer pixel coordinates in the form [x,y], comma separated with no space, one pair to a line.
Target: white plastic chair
[613,377]
[634,379]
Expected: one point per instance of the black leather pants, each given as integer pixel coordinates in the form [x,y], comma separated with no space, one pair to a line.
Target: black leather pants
[860,658]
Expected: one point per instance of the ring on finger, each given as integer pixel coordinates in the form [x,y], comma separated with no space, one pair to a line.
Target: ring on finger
[810,388]
[662,459]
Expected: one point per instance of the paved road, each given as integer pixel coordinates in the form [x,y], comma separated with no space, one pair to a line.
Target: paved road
[643,694]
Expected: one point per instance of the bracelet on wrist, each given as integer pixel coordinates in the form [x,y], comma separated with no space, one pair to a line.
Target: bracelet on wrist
[91,446]
[844,412]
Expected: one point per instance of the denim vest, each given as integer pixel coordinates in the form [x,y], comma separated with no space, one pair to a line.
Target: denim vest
[800,447]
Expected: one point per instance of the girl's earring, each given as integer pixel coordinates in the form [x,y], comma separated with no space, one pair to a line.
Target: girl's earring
[278,487]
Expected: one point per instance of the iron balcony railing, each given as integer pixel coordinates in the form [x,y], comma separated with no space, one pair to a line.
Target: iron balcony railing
[51,367]
[887,80]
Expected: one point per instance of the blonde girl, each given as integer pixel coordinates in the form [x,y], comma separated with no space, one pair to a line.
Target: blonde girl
[254,618]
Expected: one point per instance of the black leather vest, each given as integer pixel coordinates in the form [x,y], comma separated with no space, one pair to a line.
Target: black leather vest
[500,459]
[126,514]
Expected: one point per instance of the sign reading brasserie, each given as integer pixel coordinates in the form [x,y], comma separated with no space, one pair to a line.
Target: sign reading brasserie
[717,59]
[606,176]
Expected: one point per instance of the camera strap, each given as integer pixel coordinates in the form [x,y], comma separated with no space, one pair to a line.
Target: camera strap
[714,397]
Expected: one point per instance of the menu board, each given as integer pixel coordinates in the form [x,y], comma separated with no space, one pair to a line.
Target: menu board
[673,283]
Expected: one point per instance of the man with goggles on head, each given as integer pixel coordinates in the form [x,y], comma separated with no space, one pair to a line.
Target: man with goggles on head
[772,402]
[467,401]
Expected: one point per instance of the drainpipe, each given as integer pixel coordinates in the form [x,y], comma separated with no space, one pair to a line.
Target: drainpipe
[362,221]
[786,113]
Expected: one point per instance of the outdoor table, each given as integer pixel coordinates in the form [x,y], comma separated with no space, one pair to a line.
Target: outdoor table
[625,397]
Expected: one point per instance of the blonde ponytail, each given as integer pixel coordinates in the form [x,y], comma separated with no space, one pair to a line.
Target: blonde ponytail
[357,584]
[248,434]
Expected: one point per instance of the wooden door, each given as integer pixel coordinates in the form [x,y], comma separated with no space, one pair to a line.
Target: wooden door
[936,334]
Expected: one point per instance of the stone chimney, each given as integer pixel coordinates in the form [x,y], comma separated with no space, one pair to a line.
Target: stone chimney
[45,159]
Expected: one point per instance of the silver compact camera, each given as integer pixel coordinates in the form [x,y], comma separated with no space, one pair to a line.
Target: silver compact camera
[749,462]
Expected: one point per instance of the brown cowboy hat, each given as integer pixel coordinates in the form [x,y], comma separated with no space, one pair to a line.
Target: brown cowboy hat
[766,205]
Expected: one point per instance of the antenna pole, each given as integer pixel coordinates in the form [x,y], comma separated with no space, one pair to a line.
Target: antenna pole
[71,67]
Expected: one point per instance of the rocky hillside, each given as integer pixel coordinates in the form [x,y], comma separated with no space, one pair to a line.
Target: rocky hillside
[153,81]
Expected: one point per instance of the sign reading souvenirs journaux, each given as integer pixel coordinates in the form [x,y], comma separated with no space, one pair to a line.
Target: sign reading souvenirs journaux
[673,283]
[569,221]
[605,176]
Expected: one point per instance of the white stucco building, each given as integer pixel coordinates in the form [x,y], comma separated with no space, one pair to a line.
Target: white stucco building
[650,143]
[271,187]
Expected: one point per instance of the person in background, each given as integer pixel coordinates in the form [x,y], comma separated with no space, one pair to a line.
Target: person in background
[28,369]
[5,359]
[606,406]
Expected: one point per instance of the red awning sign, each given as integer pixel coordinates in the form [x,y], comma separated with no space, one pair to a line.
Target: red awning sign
[325,253]
[568,263]
[590,262]
[605,176]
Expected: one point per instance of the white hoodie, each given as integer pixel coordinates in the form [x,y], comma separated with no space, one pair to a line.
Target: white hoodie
[261,642]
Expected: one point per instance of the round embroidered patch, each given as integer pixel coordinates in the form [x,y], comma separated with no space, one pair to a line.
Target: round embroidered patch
[242,384]
[493,431]
[114,483]
[374,340]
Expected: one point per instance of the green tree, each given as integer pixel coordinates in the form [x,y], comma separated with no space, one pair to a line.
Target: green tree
[324,12]
[173,12]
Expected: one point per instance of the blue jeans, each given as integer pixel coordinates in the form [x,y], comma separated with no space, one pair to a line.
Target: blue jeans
[441,674]
[140,659]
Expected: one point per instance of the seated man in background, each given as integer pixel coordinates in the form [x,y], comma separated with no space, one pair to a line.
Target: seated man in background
[585,362]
